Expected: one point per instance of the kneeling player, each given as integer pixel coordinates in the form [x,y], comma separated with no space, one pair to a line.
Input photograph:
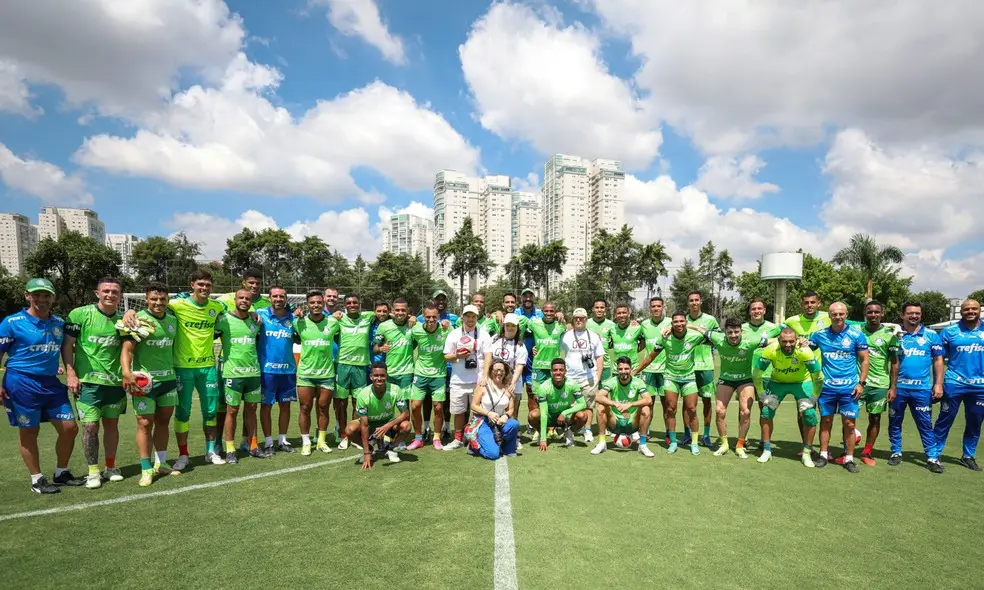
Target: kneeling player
[790,368]
[624,406]
[563,404]
[383,416]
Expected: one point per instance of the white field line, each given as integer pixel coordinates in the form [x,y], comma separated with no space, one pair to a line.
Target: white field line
[505,545]
[191,488]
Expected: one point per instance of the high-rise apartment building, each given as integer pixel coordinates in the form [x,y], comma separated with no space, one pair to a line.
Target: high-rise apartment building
[527,221]
[18,238]
[606,196]
[54,221]
[124,243]
[410,234]
[496,226]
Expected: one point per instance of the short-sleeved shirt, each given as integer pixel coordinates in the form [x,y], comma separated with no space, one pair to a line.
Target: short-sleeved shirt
[736,361]
[624,342]
[511,352]
[239,338]
[32,345]
[430,351]
[229,300]
[317,353]
[601,329]
[883,345]
[964,350]
[380,409]
[625,393]
[653,332]
[399,359]
[196,332]
[839,351]
[276,343]
[681,354]
[804,326]
[573,347]
[788,368]
[155,353]
[766,329]
[546,339]
[916,354]
[475,340]
[353,339]
[558,399]
[704,355]
[97,345]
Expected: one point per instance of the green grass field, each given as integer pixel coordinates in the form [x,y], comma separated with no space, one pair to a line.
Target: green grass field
[617,520]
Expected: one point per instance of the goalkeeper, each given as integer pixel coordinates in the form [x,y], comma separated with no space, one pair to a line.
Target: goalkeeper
[794,371]
[149,349]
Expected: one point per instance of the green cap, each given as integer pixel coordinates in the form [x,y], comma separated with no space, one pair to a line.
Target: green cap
[527,290]
[40,285]
[438,293]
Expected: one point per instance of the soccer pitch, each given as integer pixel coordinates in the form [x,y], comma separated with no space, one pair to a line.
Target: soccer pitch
[578,521]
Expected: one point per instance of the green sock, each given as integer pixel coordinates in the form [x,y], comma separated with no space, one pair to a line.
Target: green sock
[673,438]
[707,430]
[145,463]
[210,446]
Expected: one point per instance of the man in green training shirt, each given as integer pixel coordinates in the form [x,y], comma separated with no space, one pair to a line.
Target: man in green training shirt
[703,364]
[91,351]
[154,355]
[241,381]
[600,325]
[758,326]
[560,404]
[653,373]
[353,356]
[393,339]
[428,375]
[252,282]
[736,350]
[625,338]
[624,406]
[547,333]
[883,361]
[484,321]
[794,371]
[316,333]
[680,346]
[383,416]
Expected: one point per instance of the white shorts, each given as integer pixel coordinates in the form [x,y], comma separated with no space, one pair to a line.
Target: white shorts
[460,396]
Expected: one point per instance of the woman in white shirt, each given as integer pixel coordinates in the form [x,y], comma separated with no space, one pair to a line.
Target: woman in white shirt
[494,405]
[508,347]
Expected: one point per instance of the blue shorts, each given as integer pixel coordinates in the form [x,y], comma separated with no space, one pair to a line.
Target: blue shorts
[838,402]
[278,388]
[35,399]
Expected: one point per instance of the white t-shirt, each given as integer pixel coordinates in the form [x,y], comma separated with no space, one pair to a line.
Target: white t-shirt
[573,346]
[476,340]
[495,399]
[512,352]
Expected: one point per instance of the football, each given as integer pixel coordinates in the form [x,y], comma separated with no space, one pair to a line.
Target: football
[622,441]
[857,436]
[143,381]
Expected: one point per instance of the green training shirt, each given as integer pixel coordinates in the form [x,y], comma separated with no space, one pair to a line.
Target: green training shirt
[704,356]
[97,345]
[380,409]
[883,345]
[736,361]
[653,331]
[155,353]
[353,339]
[239,346]
[317,339]
[628,393]
[196,332]
[229,300]
[624,342]
[430,351]
[399,360]
[601,329]
[680,354]
[546,339]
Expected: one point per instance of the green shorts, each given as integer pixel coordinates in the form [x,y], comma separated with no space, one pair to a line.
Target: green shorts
[875,400]
[101,401]
[404,382]
[802,392]
[164,394]
[432,386]
[654,383]
[316,382]
[205,380]
[540,376]
[622,426]
[247,389]
[706,385]
[681,388]
[351,378]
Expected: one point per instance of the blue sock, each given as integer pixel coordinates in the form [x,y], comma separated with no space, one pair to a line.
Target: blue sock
[418,437]
[686,431]
[707,430]
[643,439]
[673,438]
[767,446]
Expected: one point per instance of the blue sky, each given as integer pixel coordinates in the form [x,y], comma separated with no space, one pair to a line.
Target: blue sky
[319,116]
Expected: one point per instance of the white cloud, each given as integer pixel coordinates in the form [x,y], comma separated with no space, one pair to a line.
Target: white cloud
[346,231]
[955,277]
[361,18]
[125,57]
[234,137]
[738,76]
[534,80]
[728,177]
[530,184]
[15,97]
[42,179]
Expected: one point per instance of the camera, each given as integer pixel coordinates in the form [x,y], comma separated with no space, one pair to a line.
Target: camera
[471,363]
[587,361]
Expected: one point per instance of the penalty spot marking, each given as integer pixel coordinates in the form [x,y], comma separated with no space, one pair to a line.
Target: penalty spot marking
[191,488]
[505,544]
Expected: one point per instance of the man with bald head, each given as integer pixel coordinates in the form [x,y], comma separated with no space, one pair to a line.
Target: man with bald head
[963,346]
[844,350]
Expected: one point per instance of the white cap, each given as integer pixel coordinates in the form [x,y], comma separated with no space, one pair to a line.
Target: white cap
[580,313]
[470,309]
[511,318]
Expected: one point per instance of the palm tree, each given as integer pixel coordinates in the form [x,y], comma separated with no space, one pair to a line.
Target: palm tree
[551,258]
[652,266]
[864,254]
[467,255]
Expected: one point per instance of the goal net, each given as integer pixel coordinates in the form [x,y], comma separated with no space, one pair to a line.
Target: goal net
[138,301]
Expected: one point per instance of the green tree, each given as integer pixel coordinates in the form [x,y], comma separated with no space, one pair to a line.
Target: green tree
[241,252]
[522,268]
[580,291]
[312,263]
[936,306]
[977,296]
[615,255]
[74,263]
[276,256]
[552,257]
[873,261]
[715,269]
[652,266]
[467,255]
[400,275]
[688,278]
[494,292]
[11,293]
[166,260]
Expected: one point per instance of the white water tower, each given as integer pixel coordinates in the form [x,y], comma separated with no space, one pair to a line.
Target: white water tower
[780,267]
